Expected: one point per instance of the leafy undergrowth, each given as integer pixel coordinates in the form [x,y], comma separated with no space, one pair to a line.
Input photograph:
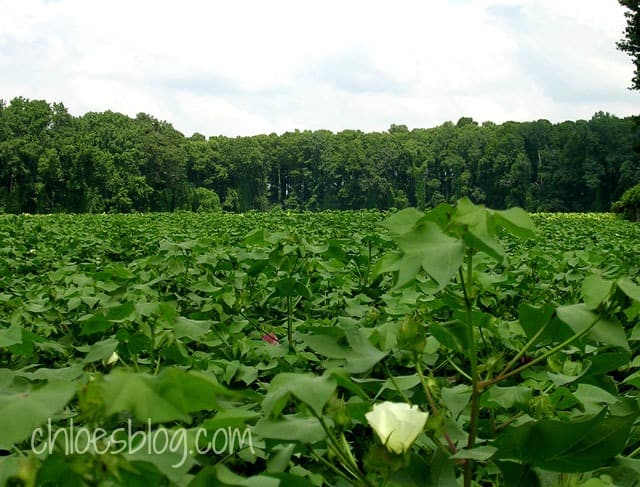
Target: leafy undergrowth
[219,349]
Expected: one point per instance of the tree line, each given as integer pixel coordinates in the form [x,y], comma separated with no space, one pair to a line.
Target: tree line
[51,161]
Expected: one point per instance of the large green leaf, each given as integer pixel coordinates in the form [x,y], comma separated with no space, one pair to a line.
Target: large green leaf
[185,327]
[364,355]
[172,395]
[22,412]
[595,289]
[453,335]
[359,354]
[516,221]
[439,254]
[534,318]
[579,317]
[402,221]
[101,350]
[11,336]
[577,446]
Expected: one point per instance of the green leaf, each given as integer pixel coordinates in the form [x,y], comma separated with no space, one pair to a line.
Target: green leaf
[409,265]
[479,228]
[629,288]
[578,446]
[169,396]
[579,318]
[441,255]
[402,221]
[516,221]
[92,324]
[184,327]
[456,398]
[327,345]
[404,382]
[233,418]
[517,474]
[62,374]
[9,467]
[302,429]
[119,313]
[312,390]
[57,470]
[633,379]
[533,318]
[508,397]
[174,461]
[594,398]
[595,289]
[280,461]
[364,355]
[289,287]
[101,350]
[479,453]
[11,336]
[453,335]
[21,413]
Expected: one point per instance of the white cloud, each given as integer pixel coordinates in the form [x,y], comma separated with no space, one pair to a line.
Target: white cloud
[250,66]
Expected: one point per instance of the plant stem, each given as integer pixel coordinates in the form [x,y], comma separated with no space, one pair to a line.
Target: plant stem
[473,357]
[457,367]
[432,404]
[542,357]
[347,460]
[427,391]
[152,351]
[395,384]
[289,323]
[634,453]
[525,348]
[332,467]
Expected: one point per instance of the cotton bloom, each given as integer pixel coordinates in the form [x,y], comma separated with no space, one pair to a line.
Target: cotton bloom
[113,359]
[397,424]
[271,338]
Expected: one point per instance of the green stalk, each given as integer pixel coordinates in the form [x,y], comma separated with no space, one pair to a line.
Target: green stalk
[427,391]
[289,323]
[432,404]
[475,381]
[347,460]
[458,369]
[331,466]
[524,349]
[542,357]
[152,352]
[395,384]
[634,453]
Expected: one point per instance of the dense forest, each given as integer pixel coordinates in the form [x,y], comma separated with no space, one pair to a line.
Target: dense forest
[51,161]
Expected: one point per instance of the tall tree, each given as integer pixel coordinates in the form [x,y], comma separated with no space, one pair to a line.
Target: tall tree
[631,42]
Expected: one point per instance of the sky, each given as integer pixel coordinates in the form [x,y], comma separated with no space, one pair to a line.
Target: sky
[246,67]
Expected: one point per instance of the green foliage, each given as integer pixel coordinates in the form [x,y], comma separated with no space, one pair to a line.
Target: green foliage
[518,334]
[629,203]
[108,162]
[206,199]
[631,42]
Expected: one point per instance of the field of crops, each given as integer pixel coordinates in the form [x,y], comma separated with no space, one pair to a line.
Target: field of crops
[250,349]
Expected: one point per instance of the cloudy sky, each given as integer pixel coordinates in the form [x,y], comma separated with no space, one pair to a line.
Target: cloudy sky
[245,67]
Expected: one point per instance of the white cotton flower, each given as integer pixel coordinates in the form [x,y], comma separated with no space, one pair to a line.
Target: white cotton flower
[113,359]
[397,424]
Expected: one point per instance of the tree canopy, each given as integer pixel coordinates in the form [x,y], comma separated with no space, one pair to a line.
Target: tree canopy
[631,42]
[51,161]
